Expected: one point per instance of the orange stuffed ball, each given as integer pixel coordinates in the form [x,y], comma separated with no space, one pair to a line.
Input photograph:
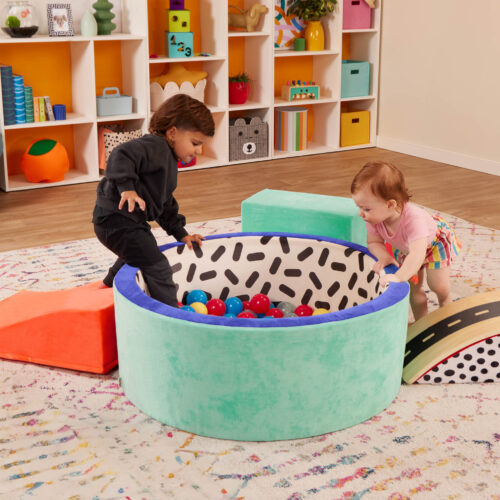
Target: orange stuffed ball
[45,160]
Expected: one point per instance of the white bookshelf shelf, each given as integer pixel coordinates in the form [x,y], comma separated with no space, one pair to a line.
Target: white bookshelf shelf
[163,60]
[71,119]
[305,53]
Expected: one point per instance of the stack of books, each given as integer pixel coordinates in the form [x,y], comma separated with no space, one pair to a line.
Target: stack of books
[9,109]
[19,104]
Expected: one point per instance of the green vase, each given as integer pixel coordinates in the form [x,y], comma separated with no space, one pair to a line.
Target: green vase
[103,16]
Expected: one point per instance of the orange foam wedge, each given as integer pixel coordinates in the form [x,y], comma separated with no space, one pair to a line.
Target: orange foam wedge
[73,328]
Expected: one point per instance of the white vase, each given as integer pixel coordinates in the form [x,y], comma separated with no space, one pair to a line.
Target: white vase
[89,24]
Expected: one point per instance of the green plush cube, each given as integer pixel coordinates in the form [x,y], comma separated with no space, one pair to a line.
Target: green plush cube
[179,21]
[271,210]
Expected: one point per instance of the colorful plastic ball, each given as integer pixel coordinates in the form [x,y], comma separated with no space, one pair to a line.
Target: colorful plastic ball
[229,315]
[45,160]
[196,296]
[286,307]
[291,315]
[259,303]
[246,305]
[234,305]
[188,308]
[304,310]
[246,314]
[275,312]
[216,307]
[320,310]
[199,307]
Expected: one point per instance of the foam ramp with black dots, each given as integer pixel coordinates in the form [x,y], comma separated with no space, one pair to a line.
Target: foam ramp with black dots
[458,343]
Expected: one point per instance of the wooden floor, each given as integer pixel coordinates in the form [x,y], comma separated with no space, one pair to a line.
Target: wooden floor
[41,216]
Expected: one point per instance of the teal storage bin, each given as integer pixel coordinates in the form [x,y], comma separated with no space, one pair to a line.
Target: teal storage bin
[355,78]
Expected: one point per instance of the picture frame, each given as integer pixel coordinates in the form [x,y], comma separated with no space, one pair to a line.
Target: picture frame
[60,19]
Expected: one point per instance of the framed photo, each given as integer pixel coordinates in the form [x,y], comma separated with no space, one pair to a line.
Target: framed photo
[60,19]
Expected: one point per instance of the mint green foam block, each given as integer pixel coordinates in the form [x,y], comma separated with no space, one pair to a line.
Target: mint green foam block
[272,210]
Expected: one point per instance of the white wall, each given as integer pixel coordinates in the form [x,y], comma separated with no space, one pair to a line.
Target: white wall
[440,81]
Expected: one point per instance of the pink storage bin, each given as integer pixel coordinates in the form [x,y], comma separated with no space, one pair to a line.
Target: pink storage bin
[357,15]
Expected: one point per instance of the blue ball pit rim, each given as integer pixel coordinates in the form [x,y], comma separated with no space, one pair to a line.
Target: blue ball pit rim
[126,284]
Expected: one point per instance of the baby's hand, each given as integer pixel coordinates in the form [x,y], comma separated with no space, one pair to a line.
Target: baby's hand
[131,197]
[193,238]
[385,279]
[379,266]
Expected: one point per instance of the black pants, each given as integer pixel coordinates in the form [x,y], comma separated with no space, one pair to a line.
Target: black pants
[135,245]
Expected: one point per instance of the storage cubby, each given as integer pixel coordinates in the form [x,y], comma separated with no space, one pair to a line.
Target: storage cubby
[74,70]
[253,59]
[79,141]
[122,64]
[321,69]
[265,115]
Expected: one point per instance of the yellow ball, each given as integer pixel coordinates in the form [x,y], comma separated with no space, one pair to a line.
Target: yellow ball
[320,310]
[199,307]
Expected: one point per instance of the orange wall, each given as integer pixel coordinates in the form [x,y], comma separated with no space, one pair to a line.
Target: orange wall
[44,66]
[291,68]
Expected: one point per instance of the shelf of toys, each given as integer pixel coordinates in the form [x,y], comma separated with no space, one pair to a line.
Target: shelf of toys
[72,71]
[197,51]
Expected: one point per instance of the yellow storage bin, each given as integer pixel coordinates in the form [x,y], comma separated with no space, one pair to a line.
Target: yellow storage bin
[354,127]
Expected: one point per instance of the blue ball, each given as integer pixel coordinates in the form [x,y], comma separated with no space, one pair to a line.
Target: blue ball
[187,308]
[234,305]
[196,296]
[229,315]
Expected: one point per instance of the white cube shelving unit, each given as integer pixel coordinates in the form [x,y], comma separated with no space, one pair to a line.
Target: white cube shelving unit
[261,60]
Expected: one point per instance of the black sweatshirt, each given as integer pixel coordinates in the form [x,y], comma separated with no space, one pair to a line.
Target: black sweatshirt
[148,166]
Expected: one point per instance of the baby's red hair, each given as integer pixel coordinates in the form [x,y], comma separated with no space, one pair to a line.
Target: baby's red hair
[384,180]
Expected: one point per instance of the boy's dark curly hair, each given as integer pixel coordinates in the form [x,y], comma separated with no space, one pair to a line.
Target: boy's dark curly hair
[183,112]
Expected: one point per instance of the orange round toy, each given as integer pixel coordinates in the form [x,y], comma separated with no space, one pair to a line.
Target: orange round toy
[45,160]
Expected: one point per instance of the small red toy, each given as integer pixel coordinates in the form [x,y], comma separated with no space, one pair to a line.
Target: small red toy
[259,303]
[216,307]
[246,305]
[181,164]
[303,310]
[275,312]
[246,314]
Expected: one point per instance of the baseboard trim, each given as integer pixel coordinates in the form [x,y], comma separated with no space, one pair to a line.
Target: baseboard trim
[440,155]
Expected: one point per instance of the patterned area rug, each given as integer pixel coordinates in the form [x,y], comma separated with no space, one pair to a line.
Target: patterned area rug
[70,435]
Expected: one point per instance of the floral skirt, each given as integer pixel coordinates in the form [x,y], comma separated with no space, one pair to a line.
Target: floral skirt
[443,249]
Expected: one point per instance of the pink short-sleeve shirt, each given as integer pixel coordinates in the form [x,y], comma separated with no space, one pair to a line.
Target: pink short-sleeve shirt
[415,223]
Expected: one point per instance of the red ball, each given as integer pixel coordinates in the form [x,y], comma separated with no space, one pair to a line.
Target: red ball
[216,307]
[275,312]
[303,310]
[246,304]
[246,314]
[259,303]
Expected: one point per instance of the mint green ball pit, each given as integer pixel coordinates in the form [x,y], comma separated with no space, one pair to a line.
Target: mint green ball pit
[264,379]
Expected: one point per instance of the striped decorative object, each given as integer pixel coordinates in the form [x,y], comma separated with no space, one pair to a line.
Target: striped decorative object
[9,111]
[19,98]
[290,129]
[28,103]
